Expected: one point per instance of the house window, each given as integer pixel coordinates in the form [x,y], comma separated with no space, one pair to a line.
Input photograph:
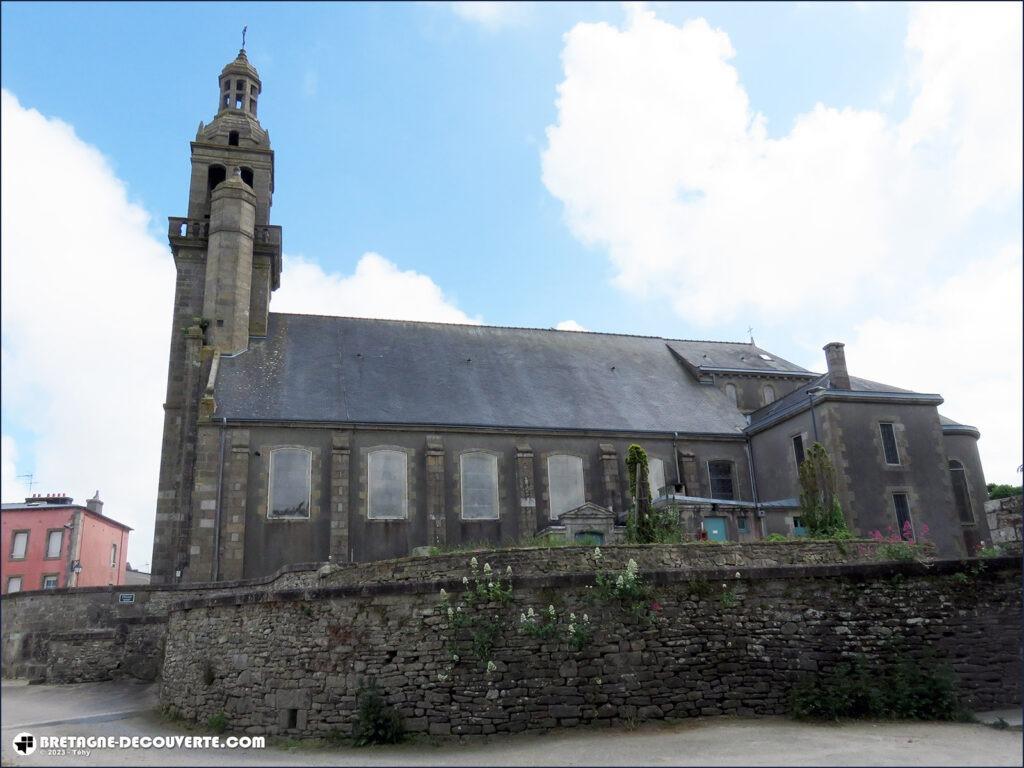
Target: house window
[290,482]
[798,449]
[54,543]
[892,456]
[479,486]
[741,525]
[565,484]
[768,394]
[13,585]
[656,476]
[19,545]
[387,485]
[720,475]
[958,475]
[730,391]
[903,522]
[113,555]
[50,581]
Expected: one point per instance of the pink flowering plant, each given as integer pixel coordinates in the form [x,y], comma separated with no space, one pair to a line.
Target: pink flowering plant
[904,545]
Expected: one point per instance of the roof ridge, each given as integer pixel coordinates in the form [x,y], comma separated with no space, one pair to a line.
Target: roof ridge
[513,328]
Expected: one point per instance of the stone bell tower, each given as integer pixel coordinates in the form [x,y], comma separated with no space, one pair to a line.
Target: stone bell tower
[228,260]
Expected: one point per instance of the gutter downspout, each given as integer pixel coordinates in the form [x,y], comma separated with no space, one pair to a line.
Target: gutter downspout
[753,483]
[675,456]
[220,501]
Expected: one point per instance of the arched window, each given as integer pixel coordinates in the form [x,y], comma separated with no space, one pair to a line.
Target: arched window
[247,176]
[962,497]
[730,392]
[479,477]
[387,485]
[565,484]
[768,394]
[655,476]
[233,138]
[289,482]
[214,176]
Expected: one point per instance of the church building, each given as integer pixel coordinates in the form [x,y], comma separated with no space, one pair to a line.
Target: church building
[299,439]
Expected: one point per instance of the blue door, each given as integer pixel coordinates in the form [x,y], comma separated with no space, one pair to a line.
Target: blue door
[715,526]
[799,529]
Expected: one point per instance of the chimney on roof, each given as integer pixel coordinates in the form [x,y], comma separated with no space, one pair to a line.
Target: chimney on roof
[838,376]
[94,504]
[49,498]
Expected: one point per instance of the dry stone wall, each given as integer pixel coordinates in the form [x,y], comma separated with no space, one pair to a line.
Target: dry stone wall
[78,635]
[711,641]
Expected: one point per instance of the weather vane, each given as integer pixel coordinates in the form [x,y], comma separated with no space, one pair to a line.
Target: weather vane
[243,36]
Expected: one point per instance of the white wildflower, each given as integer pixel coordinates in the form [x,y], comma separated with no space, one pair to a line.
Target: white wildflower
[572,629]
[631,566]
[572,617]
[442,676]
[465,580]
[455,657]
[490,585]
[586,619]
[551,610]
[487,567]
[444,595]
[522,618]
[597,553]
[737,574]
[472,563]
[450,612]
[529,611]
[459,609]
[491,666]
[508,571]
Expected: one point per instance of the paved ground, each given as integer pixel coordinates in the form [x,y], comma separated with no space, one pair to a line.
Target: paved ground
[127,709]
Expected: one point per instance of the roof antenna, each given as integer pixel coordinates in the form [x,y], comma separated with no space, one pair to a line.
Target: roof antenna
[243,36]
[750,330]
[30,481]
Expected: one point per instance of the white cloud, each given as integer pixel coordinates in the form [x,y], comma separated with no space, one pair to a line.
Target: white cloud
[14,489]
[377,288]
[570,325]
[87,295]
[86,309]
[491,15]
[964,337]
[659,158]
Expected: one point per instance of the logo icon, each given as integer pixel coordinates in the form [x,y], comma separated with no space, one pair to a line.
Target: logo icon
[24,743]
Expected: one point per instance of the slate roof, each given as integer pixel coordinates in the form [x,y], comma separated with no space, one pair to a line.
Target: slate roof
[799,395]
[732,355]
[355,370]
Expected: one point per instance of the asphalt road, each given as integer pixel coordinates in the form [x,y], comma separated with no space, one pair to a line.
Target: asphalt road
[128,709]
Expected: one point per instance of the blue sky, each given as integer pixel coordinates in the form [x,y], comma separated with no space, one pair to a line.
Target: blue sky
[817,171]
[405,129]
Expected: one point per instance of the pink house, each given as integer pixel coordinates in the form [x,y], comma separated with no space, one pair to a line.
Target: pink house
[49,542]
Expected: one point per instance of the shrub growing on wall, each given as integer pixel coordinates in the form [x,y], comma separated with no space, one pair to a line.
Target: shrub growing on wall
[376,721]
[639,489]
[819,504]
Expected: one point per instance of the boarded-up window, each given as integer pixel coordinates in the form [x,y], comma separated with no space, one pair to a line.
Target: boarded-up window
[730,391]
[479,486]
[13,585]
[289,482]
[19,545]
[768,394]
[565,484]
[720,476]
[54,542]
[958,476]
[387,485]
[656,476]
